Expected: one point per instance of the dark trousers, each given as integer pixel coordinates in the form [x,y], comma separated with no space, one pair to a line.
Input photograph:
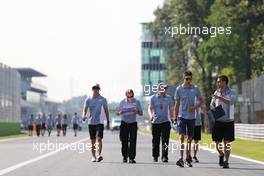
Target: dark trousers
[128,137]
[64,129]
[38,128]
[160,131]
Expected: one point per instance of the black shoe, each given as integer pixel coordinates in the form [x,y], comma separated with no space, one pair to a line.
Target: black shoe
[190,158]
[195,159]
[100,158]
[124,160]
[188,162]
[225,165]
[132,161]
[164,160]
[180,163]
[221,160]
[155,160]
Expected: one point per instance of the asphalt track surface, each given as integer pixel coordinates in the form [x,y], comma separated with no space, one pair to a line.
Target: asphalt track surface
[22,157]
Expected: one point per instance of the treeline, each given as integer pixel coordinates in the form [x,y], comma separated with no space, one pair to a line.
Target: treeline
[239,55]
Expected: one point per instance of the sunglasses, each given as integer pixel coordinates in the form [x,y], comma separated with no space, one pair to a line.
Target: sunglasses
[188,79]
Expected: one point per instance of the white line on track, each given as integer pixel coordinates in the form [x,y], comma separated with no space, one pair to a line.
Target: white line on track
[14,167]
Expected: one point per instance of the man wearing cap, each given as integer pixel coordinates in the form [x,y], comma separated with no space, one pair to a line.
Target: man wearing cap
[129,108]
[160,111]
[97,106]
[185,107]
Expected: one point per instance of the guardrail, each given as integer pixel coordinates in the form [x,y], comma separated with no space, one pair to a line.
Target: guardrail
[249,131]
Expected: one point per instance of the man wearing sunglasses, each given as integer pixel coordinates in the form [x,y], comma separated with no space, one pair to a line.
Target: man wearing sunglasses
[185,107]
[160,111]
[98,108]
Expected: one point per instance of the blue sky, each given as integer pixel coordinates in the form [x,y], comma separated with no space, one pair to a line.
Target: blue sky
[78,41]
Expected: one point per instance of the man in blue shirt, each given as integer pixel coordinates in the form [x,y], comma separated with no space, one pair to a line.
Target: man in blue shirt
[129,108]
[223,129]
[43,124]
[50,123]
[64,124]
[31,122]
[160,111]
[38,124]
[75,123]
[97,106]
[185,107]
[58,120]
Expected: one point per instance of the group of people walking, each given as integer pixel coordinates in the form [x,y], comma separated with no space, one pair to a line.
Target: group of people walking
[59,122]
[185,114]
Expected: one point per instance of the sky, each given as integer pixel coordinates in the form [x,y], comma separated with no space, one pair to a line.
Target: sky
[76,43]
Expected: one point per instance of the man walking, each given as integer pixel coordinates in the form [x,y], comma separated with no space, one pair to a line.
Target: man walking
[129,108]
[223,129]
[50,123]
[58,122]
[75,123]
[64,124]
[185,108]
[43,124]
[97,106]
[31,122]
[198,130]
[38,124]
[160,111]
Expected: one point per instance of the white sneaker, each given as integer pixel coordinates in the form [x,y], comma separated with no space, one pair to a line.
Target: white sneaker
[93,159]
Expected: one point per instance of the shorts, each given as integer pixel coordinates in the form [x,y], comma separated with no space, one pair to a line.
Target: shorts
[186,126]
[223,131]
[197,133]
[96,131]
[43,126]
[58,126]
[75,126]
[30,127]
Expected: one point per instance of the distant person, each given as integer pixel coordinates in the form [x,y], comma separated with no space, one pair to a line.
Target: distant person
[223,129]
[58,123]
[97,106]
[198,129]
[43,124]
[75,123]
[31,122]
[64,124]
[160,111]
[129,108]
[50,123]
[38,124]
[185,109]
